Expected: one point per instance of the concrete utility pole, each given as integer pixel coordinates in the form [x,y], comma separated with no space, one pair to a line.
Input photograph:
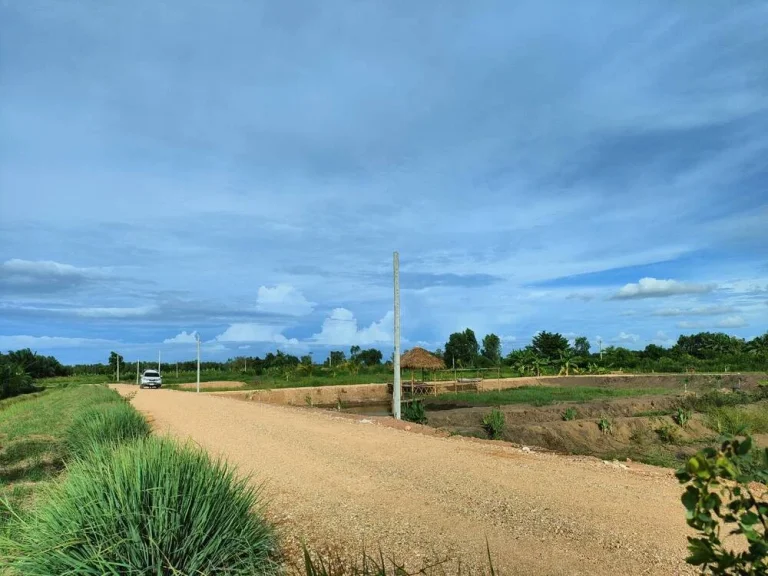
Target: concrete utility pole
[158,361]
[600,343]
[396,359]
[198,363]
[118,367]
[137,372]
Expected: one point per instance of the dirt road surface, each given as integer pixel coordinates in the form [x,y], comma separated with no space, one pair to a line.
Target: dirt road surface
[350,482]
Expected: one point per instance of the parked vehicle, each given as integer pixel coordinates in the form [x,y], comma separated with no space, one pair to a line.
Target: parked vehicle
[151,379]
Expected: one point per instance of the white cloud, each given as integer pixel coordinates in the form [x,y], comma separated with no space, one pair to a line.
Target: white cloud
[253,332]
[283,299]
[663,339]
[48,342]
[729,322]
[340,328]
[626,337]
[712,310]
[653,288]
[45,276]
[42,268]
[732,322]
[182,338]
[125,312]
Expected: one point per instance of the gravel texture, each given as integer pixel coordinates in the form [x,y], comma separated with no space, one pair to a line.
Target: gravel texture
[351,482]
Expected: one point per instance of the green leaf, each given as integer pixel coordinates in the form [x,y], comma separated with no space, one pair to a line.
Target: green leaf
[749,519]
[690,499]
[701,552]
[744,447]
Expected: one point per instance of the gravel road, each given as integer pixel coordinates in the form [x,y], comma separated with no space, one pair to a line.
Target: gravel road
[346,481]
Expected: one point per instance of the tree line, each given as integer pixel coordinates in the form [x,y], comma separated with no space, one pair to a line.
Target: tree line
[547,353]
[551,352]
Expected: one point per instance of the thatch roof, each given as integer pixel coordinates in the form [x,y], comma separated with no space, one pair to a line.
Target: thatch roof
[417,358]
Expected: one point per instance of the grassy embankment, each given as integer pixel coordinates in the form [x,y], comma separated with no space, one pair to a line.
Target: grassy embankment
[33,439]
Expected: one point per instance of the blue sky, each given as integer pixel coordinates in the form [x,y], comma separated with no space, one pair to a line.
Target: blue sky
[244,170]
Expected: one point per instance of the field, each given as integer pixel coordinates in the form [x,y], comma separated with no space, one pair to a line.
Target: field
[657,425]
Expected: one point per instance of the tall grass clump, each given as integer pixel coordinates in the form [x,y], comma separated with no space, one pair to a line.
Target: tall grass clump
[147,507]
[495,423]
[737,421]
[107,424]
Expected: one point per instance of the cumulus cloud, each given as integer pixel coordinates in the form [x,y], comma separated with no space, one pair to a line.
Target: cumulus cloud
[663,339]
[340,329]
[254,332]
[654,288]
[627,337]
[283,299]
[44,276]
[712,310]
[183,337]
[48,342]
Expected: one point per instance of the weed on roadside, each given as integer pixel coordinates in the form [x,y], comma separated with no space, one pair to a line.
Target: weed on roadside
[570,414]
[495,423]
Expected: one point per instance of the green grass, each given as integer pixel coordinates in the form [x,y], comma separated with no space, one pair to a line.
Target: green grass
[32,430]
[545,395]
[111,424]
[739,420]
[146,507]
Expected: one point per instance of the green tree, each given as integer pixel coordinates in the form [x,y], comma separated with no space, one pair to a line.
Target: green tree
[549,345]
[581,346]
[461,346]
[370,357]
[336,358]
[353,352]
[567,362]
[492,348]
[114,359]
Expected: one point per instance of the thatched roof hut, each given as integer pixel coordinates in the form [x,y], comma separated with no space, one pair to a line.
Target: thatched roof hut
[418,358]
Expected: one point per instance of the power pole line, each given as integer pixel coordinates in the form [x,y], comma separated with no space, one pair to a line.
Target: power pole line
[118,367]
[198,362]
[137,372]
[600,343]
[158,361]
[396,359]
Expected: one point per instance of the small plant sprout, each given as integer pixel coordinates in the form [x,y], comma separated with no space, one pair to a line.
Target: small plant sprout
[570,414]
[605,425]
[682,416]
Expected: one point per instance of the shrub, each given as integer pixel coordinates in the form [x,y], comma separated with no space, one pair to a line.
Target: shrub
[668,434]
[682,416]
[605,425]
[494,423]
[14,379]
[414,412]
[569,414]
[718,496]
[147,507]
[109,424]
